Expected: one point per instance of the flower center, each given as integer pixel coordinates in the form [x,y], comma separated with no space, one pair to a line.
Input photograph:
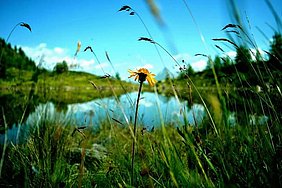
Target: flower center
[142,77]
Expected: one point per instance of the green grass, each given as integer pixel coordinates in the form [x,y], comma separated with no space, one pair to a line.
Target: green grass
[68,87]
[214,153]
[242,156]
[211,154]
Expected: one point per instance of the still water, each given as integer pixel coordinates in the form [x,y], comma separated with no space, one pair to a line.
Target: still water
[154,109]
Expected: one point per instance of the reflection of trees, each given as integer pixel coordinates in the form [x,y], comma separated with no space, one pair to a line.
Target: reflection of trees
[246,103]
[60,106]
[16,108]
[164,99]
[242,102]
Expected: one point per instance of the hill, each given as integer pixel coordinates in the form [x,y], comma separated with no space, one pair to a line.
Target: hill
[19,73]
[13,58]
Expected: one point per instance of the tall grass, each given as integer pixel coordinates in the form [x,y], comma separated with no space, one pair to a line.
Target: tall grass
[213,153]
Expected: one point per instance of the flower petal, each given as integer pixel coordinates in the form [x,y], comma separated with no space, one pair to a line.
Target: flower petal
[151,80]
[143,73]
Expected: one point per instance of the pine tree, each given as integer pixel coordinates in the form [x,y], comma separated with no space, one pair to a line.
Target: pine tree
[275,56]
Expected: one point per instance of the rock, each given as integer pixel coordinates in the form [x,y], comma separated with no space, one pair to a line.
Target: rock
[93,156]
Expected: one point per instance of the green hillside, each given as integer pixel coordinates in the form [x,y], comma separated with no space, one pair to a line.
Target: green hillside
[19,73]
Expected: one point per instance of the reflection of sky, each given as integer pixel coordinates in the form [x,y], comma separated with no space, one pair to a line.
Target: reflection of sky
[123,109]
[153,110]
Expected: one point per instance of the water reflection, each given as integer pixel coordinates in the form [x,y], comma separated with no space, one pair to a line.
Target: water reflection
[153,110]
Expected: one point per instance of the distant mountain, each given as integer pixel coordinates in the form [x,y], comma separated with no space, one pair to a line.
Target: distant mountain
[164,74]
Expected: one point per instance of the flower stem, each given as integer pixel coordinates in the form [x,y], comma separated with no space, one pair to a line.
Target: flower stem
[134,133]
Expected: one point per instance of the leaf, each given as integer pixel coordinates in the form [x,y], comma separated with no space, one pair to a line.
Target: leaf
[132,13]
[81,133]
[240,27]
[228,26]
[268,53]
[146,39]
[105,76]
[125,7]
[77,130]
[26,26]
[201,55]
[117,121]
[233,31]
[226,40]
[180,133]
[88,48]
[93,84]
[143,130]
[223,59]
[219,48]
[107,56]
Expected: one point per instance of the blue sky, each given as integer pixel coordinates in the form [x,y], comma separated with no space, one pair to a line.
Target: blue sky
[57,26]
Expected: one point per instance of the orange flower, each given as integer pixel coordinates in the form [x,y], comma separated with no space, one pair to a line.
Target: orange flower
[143,74]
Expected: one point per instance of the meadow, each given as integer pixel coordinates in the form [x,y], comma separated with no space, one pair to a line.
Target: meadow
[215,152]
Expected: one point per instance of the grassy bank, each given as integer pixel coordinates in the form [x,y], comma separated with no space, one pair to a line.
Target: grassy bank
[56,154]
[68,87]
[238,143]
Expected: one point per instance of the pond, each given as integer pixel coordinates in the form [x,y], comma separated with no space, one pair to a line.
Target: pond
[154,109]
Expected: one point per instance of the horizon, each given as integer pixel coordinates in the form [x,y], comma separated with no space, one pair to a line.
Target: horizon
[58,26]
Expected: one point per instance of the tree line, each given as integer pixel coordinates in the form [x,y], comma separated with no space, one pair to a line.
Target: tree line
[246,61]
[13,57]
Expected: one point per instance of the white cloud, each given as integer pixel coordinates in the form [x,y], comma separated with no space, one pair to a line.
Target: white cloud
[182,56]
[50,56]
[198,63]
[59,50]
[253,52]
[101,65]
[260,51]
[147,66]
[42,45]
[230,54]
[145,103]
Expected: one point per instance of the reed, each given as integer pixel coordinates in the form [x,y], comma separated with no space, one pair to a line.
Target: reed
[212,153]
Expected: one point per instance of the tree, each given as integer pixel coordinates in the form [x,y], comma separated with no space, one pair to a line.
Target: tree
[209,64]
[21,52]
[186,72]
[2,63]
[243,59]
[13,57]
[118,76]
[275,55]
[243,56]
[226,61]
[190,70]
[217,63]
[61,67]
